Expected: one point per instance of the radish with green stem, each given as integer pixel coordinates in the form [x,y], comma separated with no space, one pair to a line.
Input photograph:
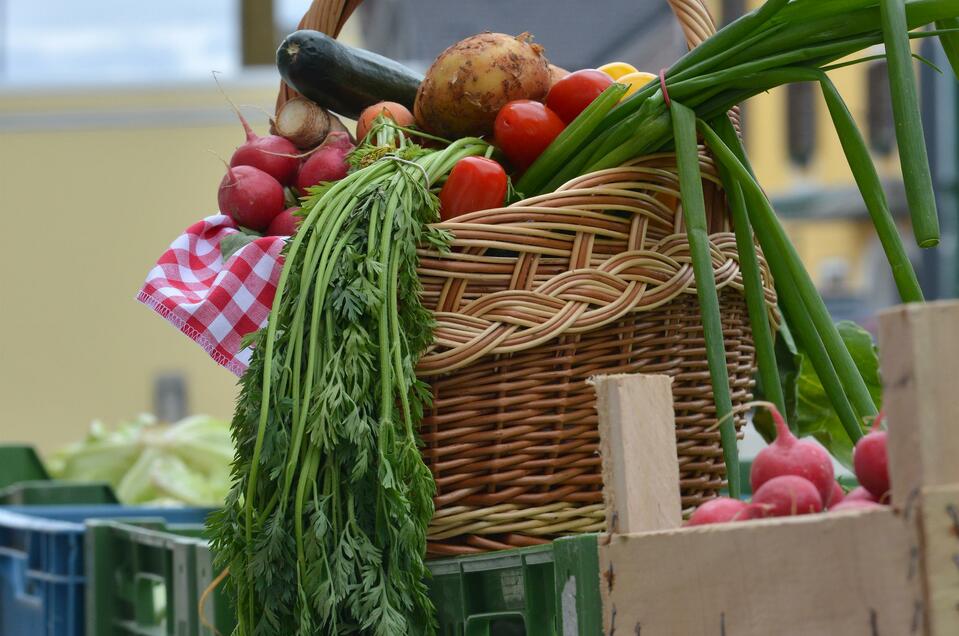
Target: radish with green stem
[272,154]
[788,455]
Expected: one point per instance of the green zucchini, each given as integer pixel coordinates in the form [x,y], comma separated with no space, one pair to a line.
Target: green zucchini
[341,78]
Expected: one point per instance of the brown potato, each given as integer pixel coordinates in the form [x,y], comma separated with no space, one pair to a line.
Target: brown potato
[470,81]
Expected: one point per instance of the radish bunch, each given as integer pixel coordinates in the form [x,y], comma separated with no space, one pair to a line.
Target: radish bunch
[253,193]
[795,477]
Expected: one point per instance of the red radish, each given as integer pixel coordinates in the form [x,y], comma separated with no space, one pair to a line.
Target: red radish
[250,197]
[836,496]
[285,223]
[871,460]
[272,154]
[722,510]
[790,456]
[788,495]
[326,163]
[855,504]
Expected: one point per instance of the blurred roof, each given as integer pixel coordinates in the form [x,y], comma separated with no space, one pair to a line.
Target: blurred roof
[575,34]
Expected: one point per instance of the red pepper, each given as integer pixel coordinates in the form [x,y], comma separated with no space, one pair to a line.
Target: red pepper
[475,183]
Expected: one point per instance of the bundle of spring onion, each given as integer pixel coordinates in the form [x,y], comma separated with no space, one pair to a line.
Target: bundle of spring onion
[781,42]
[324,530]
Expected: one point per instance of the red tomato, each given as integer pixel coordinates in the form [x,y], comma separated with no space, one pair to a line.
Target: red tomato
[523,129]
[475,183]
[571,95]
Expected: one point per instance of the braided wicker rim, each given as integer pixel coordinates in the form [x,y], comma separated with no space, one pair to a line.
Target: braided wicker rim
[535,298]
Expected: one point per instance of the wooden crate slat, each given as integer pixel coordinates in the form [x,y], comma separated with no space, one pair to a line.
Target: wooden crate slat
[940,534]
[638,447]
[919,347]
[845,574]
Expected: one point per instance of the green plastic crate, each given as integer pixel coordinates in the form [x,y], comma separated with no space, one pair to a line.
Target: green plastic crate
[20,463]
[54,493]
[147,579]
[537,591]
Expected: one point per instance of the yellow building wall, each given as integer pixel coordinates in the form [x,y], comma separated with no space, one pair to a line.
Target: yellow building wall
[93,187]
[94,184]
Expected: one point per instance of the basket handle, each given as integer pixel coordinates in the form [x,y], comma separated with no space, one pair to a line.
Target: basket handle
[329,16]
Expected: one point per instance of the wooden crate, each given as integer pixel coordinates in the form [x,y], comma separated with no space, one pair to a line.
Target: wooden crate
[891,572]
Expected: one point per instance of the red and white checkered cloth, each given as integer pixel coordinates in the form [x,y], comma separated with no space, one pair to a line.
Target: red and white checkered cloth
[215,303]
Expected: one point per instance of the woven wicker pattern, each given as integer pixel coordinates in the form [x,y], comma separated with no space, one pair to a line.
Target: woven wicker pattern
[537,297]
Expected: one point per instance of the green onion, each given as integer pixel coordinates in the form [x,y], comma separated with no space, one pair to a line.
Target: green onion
[857,154]
[864,172]
[694,213]
[574,165]
[714,48]
[909,134]
[752,282]
[644,141]
[807,314]
[853,382]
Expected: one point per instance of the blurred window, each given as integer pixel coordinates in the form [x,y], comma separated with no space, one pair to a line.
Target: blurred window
[801,116]
[882,132]
[104,41]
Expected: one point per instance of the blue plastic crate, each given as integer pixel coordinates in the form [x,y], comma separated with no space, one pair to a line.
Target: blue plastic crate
[42,581]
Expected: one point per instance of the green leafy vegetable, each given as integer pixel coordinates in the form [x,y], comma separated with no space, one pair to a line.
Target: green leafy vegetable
[186,463]
[694,215]
[324,530]
[753,287]
[815,416]
[232,243]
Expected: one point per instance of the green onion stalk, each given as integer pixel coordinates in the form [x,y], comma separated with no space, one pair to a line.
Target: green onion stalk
[324,529]
[781,42]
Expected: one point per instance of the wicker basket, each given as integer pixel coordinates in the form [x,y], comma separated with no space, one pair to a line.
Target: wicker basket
[537,297]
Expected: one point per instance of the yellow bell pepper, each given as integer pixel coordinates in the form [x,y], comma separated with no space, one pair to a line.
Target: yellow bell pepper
[617,69]
[636,81]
